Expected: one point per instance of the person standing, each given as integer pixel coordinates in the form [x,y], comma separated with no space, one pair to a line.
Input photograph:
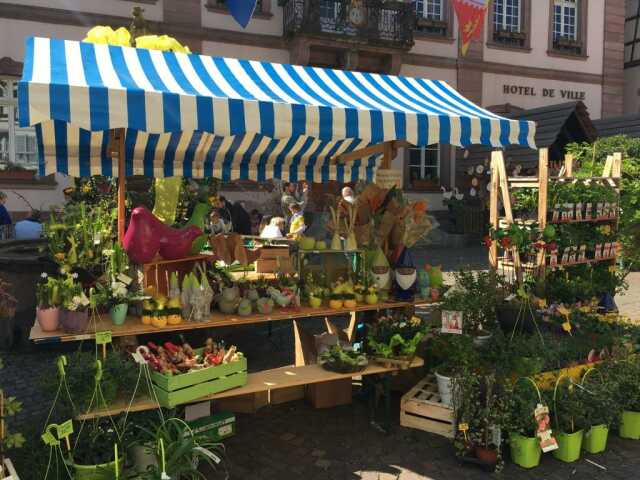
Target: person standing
[235,214]
[292,195]
[5,218]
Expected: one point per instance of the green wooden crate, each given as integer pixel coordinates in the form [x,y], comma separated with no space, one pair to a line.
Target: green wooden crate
[216,427]
[173,390]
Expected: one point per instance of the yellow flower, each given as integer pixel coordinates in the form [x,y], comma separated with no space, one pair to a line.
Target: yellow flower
[585,309]
[566,326]
[59,256]
[612,269]
[562,310]
[86,188]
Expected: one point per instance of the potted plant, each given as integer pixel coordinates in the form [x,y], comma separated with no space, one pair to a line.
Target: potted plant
[480,405]
[476,296]
[48,298]
[343,359]
[94,452]
[180,452]
[74,315]
[624,376]
[451,354]
[520,425]
[335,301]
[600,410]
[570,420]
[396,338]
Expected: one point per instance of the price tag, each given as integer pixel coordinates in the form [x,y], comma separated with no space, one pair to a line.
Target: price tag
[49,439]
[463,427]
[65,429]
[102,338]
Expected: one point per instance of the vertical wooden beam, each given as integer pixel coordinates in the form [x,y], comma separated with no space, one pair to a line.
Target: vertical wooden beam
[119,137]
[388,154]
[568,164]
[496,156]
[543,201]
[616,165]
[608,166]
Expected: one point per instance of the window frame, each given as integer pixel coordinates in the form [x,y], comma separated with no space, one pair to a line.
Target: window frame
[525,29]
[423,167]
[582,15]
[634,42]
[447,15]
[12,129]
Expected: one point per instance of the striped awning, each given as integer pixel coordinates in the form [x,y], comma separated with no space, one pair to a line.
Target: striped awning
[194,115]
[82,153]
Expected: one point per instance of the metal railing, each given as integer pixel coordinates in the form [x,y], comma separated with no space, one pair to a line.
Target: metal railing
[389,23]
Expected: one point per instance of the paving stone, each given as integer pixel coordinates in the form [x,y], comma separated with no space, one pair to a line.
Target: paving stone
[318,453]
[287,437]
[323,463]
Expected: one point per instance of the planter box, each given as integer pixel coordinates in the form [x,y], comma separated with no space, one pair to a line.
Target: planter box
[173,390]
[216,427]
[421,408]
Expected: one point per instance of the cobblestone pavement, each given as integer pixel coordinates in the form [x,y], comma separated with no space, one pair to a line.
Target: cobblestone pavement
[295,441]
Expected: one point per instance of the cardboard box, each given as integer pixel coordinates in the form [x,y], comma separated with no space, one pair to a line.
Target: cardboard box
[217,427]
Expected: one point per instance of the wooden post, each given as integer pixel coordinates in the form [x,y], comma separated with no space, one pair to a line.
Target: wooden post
[568,164]
[496,157]
[616,165]
[543,201]
[117,148]
[388,154]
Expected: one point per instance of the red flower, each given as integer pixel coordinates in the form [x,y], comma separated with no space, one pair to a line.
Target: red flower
[551,246]
[487,241]
[539,245]
[505,242]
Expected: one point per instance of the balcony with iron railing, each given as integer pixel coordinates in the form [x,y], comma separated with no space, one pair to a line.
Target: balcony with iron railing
[371,22]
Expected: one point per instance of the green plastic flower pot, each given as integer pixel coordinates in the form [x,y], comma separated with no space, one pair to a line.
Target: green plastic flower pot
[630,425]
[104,471]
[118,313]
[569,446]
[595,439]
[525,451]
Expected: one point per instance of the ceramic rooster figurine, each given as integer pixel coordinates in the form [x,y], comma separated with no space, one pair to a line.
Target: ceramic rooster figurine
[147,236]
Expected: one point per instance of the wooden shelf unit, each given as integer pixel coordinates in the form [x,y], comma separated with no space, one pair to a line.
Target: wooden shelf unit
[266,380]
[134,326]
[500,188]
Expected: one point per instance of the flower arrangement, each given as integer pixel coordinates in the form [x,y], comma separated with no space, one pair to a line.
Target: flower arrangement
[397,337]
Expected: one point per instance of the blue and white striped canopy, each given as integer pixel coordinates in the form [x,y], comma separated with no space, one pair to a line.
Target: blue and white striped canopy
[195,115]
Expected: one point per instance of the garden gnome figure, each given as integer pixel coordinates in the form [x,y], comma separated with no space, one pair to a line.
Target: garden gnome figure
[405,277]
[381,273]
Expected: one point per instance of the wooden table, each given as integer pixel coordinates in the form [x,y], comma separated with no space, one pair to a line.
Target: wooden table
[134,326]
[266,380]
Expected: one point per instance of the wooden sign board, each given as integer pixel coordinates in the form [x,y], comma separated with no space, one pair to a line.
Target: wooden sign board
[389,178]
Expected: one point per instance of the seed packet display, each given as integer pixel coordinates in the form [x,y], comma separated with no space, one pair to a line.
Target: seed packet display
[613,213]
[598,251]
[606,250]
[555,216]
[599,209]
[588,211]
[565,256]
[553,259]
[606,210]
[571,210]
[578,211]
[573,250]
[582,255]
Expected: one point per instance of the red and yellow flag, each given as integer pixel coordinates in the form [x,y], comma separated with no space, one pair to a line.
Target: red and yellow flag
[470,15]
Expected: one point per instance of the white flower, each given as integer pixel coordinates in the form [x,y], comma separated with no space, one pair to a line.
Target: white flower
[74,275]
[107,252]
[44,275]
[402,324]
[118,289]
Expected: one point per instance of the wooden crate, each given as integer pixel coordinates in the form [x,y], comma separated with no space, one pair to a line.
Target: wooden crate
[271,253]
[421,408]
[274,265]
[173,390]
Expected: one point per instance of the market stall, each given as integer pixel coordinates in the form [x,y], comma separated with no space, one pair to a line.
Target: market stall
[116,111]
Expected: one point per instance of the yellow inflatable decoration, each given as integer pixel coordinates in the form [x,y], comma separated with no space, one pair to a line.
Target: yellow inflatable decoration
[122,37]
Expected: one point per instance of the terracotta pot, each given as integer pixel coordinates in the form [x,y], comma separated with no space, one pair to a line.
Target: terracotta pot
[487,455]
[48,318]
[74,322]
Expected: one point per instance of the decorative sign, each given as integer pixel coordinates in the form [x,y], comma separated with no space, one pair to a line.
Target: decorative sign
[578,211]
[526,91]
[599,209]
[582,256]
[556,213]
[588,211]
[451,322]
[65,429]
[544,433]
[554,258]
[389,178]
[598,251]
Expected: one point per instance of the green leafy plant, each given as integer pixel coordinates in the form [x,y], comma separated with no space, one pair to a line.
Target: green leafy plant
[48,292]
[339,359]
[477,295]
[450,354]
[8,302]
[184,452]
[396,337]
[10,440]
[568,408]
[521,399]
[598,400]
[623,375]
